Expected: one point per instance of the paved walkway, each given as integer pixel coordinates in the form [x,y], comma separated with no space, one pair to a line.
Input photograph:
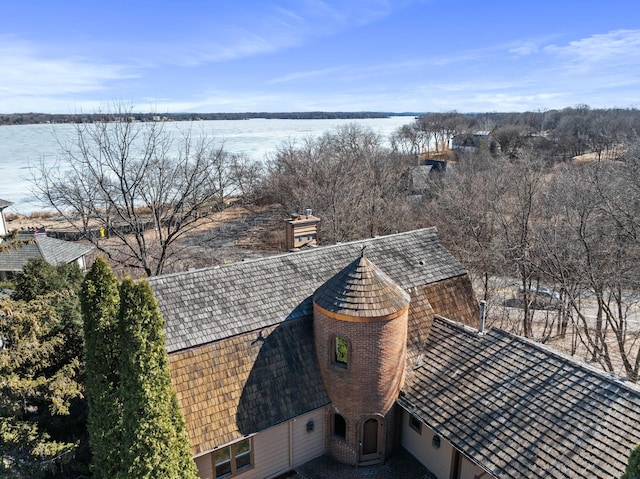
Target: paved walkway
[401,465]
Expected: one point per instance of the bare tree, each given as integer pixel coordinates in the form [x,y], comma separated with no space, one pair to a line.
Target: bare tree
[517,218]
[137,185]
[465,210]
[346,176]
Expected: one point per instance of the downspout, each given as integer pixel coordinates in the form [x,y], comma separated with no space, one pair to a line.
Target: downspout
[291,443]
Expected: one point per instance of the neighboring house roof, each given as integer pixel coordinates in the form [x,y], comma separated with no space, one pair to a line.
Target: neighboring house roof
[211,304]
[417,179]
[14,254]
[520,409]
[4,204]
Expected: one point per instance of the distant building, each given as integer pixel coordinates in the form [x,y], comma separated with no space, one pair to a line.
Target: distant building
[471,141]
[364,351]
[3,224]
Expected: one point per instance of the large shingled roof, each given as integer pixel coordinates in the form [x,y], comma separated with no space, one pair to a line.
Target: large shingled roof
[214,303]
[520,409]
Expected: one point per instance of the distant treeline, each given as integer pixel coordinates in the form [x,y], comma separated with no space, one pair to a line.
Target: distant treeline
[36,118]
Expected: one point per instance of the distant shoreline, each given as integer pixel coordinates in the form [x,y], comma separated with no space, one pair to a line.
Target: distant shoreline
[55,118]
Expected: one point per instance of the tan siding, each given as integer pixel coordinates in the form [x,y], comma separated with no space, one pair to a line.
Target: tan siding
[308,445]
[470,470]
[271,453]
[205,466]
[438,461]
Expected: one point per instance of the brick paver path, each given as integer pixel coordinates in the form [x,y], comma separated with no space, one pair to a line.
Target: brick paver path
[401,465]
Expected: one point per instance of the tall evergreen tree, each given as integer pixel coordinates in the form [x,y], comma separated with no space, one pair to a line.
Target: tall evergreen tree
[40,423]
[100,299]
[633,467]
[38,278]
[154,443]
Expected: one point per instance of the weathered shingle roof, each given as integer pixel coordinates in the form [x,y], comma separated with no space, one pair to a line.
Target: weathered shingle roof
[13,256]
[251,381]
[239,386]
[4,204]
[361,289]
[520,409]
[214,303]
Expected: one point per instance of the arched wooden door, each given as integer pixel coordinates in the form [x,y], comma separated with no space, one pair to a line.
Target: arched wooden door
[371,441]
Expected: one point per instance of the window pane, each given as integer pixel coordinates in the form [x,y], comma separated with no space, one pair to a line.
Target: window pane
[341,350]
[243,446]
[243,460]
[243,454]
[223,469]
[222,460]
[222,455]
[339,426]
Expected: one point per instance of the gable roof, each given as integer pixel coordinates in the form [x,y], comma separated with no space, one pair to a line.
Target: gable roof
[214,303]
[4,204]
[519,409]
[54,251]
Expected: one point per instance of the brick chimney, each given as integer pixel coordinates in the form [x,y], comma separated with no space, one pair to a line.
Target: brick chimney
[301,230]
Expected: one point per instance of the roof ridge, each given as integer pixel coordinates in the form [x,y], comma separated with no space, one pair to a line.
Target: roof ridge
[211,303]
[311,251]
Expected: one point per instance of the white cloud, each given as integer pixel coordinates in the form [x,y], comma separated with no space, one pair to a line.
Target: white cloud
[524,49]
[618,47]
[28,72]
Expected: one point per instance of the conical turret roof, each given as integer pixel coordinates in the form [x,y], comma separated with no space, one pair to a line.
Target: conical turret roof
[361,290]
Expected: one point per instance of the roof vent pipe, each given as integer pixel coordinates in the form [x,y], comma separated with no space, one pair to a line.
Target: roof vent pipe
[483,315]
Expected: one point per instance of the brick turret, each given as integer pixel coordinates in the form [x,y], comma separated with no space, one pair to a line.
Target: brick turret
[360,327]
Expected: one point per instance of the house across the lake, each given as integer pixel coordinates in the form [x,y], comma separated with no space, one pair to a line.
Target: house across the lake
[365,351]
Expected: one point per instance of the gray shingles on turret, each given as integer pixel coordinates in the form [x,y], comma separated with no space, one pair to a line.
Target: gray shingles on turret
[361,290]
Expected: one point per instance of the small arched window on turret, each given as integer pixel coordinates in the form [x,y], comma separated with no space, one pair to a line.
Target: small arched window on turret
[340,351]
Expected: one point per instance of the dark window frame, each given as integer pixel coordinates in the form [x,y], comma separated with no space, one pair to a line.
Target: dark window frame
[415,424]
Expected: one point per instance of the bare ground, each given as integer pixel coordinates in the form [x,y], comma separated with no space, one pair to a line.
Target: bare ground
[238,233]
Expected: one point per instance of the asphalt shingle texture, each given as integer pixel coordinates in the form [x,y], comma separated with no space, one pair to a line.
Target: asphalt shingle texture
[15,254]
[521,409]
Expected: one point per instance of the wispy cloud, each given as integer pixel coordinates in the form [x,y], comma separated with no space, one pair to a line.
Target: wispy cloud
[525,48]
[618,47]
[275,29]
[28,71]
[307,74]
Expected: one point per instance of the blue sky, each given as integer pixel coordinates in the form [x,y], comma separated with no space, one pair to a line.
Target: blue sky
[305,55]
